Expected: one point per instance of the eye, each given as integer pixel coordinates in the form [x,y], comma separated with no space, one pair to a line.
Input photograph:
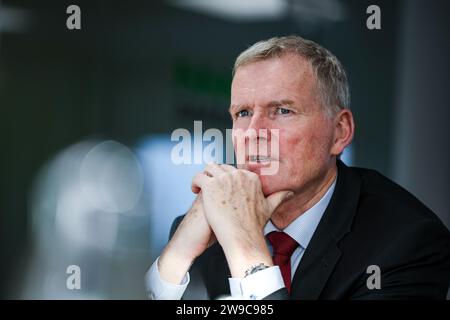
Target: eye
[282,111]
[242,113]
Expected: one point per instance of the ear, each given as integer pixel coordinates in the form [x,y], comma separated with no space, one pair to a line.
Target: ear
[344,128]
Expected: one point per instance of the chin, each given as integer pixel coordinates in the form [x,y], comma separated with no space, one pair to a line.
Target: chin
[270,184]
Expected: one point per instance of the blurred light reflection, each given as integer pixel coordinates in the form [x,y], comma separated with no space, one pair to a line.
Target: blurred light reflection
[86,207]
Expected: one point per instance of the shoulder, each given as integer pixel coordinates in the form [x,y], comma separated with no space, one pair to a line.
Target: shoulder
[394,230]
[391,214]
[385,197]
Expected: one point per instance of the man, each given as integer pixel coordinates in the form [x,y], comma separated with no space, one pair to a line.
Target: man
[315,229]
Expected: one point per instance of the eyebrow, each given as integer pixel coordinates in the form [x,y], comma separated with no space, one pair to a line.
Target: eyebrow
[271,104]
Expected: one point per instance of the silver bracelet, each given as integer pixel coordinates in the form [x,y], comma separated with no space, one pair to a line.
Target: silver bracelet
[256,268]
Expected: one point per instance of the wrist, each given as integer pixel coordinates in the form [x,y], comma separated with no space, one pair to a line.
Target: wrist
[255,268]
[173,265]
[241,258]
[244,243]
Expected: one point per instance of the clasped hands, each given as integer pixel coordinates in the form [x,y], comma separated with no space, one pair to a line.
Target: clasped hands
[230,208]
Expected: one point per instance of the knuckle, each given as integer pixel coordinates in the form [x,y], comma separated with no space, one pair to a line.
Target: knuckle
[227,176]
[240,173]
[227,167]
[251,175]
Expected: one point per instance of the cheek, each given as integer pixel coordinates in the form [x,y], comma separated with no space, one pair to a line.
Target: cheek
[303,152]
[306,146]
[294,144]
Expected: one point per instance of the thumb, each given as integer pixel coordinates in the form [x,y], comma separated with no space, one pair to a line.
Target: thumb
[275,199]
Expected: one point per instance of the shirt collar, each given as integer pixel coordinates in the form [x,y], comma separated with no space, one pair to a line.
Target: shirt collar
[304,226]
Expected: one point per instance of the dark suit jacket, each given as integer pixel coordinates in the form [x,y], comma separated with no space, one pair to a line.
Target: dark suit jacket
[370,220]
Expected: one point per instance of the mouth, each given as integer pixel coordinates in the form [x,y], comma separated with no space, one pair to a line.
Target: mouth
[262,165]
[259,159]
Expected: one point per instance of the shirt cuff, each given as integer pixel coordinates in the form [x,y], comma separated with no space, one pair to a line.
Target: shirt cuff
[159,289]
[257,286]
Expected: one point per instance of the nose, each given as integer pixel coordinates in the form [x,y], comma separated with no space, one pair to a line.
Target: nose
[258,128]
[258,137]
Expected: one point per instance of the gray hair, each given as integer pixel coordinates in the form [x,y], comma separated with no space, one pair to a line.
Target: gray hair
[331,78]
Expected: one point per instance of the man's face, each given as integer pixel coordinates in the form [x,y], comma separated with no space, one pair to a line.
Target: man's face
[280,93]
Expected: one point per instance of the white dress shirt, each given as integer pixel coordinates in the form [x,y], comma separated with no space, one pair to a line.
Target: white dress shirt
[264,282]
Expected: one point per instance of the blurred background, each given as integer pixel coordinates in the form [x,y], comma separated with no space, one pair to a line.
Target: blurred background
[86,118]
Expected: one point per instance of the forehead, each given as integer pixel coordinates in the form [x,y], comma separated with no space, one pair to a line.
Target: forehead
[288,76]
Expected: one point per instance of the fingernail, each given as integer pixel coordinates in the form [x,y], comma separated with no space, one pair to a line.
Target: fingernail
[289,195]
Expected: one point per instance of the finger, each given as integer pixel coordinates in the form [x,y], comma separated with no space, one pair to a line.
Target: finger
[213,170]
[250,174]
[227,167]
[275,199]
[198,181]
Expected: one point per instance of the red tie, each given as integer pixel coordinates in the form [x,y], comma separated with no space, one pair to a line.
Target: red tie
[283,247]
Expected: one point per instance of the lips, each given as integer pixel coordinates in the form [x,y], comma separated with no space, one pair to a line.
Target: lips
[259,159]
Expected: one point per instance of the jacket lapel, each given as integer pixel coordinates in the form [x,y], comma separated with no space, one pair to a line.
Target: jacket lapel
[323,252]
